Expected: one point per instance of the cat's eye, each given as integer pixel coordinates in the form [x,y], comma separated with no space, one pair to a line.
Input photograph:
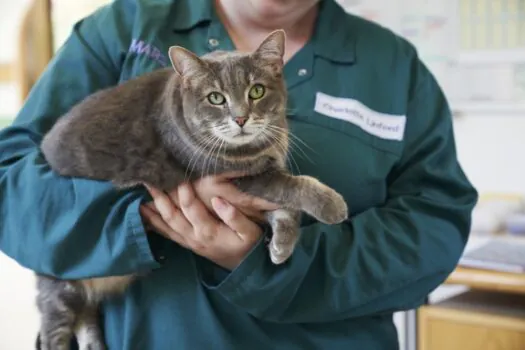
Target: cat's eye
[216,98]
[256,92]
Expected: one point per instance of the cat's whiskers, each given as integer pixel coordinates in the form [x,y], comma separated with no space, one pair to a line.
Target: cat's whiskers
[280,142]
[191,145]
[215,155]
[259,126]
[222,128]
[293,140]
[209,156]
[205,152]
[292,135]
[218,155]
[274,141]
[223,131]
[201,147]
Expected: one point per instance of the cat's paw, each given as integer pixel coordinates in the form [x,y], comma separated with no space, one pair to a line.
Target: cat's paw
[279,253]
[334,210]
[285,235]
[94,344]
[326,205]
[89,338]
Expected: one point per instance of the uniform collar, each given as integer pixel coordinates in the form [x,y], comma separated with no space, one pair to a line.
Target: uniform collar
[334,37]
[190,13]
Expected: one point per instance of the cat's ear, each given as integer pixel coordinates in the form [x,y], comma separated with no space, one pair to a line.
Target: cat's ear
[271,49]
[184,61]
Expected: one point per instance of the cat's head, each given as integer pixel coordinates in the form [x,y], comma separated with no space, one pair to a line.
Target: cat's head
[234,98]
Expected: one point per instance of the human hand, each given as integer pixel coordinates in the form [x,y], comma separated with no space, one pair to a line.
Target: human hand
[182,217]
[221,186]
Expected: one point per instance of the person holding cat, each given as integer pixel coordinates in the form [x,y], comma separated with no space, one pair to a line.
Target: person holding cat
[377,129]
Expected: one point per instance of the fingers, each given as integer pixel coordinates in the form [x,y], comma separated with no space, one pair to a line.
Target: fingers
[168,211]
[154,220]
[194,222]
[236,220]
[240,199]
[152,206]
[204,224]
[252,214]
[221,186]
[229,192]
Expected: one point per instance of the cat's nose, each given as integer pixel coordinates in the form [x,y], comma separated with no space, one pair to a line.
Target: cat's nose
[241,121]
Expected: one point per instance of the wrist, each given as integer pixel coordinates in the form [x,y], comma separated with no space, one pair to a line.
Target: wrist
[213,275]
[231,262]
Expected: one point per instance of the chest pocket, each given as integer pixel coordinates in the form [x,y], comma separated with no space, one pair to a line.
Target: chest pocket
[341,154]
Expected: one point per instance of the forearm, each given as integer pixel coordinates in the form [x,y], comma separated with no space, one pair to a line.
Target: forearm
[65,227]
[383,260]
[68,228]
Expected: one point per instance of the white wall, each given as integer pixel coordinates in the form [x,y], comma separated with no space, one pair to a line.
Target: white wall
[490,149]
[18,317]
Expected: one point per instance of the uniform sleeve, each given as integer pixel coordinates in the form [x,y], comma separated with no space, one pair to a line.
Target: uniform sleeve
[63,227]
[384,259]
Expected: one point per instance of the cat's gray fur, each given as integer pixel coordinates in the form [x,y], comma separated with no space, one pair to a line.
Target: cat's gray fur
[157,129]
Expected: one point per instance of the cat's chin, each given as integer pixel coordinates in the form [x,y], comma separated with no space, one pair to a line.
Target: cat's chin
[240,139]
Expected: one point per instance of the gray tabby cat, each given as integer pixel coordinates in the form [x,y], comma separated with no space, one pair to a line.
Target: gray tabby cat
[222,112]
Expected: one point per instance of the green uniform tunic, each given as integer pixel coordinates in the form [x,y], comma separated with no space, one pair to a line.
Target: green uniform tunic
[378,130]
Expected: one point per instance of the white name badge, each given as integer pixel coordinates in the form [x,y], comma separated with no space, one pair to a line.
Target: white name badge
[385,126]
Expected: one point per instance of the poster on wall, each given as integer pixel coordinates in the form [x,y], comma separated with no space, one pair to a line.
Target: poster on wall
[475,48]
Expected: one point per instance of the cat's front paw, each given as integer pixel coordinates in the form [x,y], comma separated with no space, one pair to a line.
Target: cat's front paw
[279,253]
[327,205]
[285,230]
[89,337]
[92,344]
[335,210]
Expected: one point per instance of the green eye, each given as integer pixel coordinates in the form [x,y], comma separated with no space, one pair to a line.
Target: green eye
[216,98]
[256,92]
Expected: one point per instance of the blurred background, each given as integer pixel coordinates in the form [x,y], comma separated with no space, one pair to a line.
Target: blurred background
[476,49]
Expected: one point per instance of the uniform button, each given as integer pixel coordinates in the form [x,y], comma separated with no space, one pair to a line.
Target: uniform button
[213,42]
[302,72]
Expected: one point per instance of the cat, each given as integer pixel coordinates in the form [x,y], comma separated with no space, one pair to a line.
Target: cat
[221,112]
